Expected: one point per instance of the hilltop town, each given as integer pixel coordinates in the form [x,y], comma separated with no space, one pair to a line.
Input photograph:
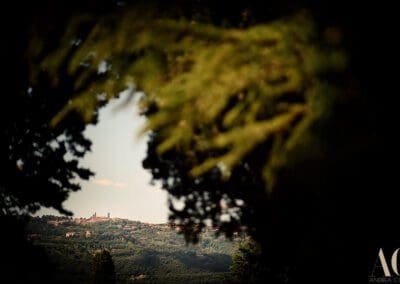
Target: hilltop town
[120,223]
[92,219]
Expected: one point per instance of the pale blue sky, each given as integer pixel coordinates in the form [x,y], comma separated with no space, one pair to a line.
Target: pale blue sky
[120,186]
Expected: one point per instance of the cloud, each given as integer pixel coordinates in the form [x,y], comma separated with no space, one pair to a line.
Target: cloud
[110,183]
[120,184]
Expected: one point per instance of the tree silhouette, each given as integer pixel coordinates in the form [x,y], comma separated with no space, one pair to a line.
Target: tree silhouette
[39,162]
[103,268]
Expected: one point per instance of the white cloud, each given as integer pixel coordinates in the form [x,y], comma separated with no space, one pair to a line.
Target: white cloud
[120,184]
[110,183]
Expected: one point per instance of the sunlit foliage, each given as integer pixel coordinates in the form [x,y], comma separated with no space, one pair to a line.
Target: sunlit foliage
[207,88]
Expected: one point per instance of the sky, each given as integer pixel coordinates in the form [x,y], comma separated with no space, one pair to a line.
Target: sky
[120,186]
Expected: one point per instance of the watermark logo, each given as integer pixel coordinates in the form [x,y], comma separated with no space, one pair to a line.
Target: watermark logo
[385,270]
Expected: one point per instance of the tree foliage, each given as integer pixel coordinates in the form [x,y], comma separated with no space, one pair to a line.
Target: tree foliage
[103,268]
[213,94]
[212,89]
[260,120]
[248,266]
[39,162]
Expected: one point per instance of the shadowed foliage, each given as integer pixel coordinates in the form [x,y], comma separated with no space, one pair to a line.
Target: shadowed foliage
[248,263]
[36,170]
[103,268]
[39,163]
[272,118]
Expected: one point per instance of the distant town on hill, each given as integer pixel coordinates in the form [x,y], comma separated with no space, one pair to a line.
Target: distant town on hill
[141,252]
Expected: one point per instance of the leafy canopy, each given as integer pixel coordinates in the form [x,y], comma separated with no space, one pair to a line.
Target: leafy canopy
[208,89]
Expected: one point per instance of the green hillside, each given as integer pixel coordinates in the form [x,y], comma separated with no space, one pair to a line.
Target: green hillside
[142,253]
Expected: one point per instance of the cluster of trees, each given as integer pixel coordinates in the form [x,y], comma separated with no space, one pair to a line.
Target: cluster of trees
[103,268]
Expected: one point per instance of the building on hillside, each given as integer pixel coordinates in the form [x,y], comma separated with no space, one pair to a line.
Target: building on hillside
[178,229]
[69,234]
[88,234]
[53,222]
[79,220]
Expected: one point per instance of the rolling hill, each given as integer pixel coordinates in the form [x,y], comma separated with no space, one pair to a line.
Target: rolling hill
[142,252]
